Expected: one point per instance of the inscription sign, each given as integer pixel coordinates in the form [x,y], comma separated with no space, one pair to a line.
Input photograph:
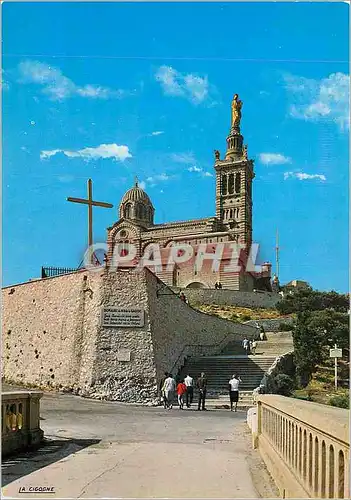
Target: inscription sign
[123,355]
[120,317]
[335,353]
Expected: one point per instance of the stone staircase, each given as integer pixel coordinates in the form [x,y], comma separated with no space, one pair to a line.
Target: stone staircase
[220,368]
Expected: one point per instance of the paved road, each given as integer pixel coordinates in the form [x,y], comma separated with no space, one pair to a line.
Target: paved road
[104,449]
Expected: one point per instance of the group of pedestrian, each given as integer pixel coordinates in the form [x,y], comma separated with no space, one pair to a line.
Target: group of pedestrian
[183,298]
[184,390]
[218,285]
[251,345]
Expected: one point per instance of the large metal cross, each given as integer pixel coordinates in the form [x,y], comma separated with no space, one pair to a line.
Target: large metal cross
[90,204]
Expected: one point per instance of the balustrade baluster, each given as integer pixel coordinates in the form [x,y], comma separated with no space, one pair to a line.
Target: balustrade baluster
[316,466]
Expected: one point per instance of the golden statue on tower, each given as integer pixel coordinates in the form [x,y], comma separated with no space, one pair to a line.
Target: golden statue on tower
[236,111]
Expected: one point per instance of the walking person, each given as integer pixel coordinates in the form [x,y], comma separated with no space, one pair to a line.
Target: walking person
[234,391]
[169,387]
[162,392]
[181,390]
[262,333]
[257,326]
[246,345]
[189,382]
[253,347]
[202,388]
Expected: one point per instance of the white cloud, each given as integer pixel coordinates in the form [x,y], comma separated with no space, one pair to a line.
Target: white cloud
[317,100]
[57,86]
[142,184]
[153,180]
[157,132]
[200,170]
[186,158]
[158,177]
[301,176]
[190,86]
[273,159]
[118,153]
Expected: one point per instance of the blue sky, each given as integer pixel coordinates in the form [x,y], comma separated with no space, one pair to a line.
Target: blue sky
[110,91]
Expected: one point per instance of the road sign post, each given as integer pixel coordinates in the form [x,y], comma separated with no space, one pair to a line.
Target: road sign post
[335,353]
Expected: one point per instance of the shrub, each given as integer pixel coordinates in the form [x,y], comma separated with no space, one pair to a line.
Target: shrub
[246,317]
[284,384]
[341,401]
[286,327]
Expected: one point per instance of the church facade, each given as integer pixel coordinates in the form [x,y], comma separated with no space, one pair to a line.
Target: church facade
[229,227]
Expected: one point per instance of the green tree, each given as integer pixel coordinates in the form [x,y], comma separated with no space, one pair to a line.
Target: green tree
[314,333]
[312,300]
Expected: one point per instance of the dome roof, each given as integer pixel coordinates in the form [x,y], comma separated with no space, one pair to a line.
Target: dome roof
[136,194]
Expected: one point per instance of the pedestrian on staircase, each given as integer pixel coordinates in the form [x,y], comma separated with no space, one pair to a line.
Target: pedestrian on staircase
[253,347]
[262,333]
[202,387]
[234,391]
[169,387]
[189,382]
[246,345]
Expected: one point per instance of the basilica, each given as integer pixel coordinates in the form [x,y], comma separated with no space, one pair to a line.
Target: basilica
[232,223]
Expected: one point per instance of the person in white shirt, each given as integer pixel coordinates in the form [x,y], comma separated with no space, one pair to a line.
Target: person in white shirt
[169,387]
[234,391]
[189,382]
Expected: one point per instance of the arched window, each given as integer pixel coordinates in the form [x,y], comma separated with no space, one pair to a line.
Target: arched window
[237,182]
[138,211]
[231,184]
[231,213]
[128,211]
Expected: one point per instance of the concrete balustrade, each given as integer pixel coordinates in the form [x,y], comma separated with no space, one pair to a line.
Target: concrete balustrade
[304,445]
[20,421]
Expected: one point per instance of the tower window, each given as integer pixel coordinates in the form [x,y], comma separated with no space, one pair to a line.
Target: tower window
[231,184]
[237,182]
[224,184]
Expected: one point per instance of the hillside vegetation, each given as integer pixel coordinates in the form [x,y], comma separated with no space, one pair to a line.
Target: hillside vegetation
[321,387]
[240,314]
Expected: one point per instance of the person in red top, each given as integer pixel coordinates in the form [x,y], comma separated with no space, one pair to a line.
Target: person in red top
[181,390]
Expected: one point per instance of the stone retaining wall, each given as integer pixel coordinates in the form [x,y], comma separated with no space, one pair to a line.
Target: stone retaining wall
[271,325]
[266,300]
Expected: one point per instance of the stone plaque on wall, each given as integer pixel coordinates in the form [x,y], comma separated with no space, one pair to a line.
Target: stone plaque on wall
[120,317]
[123,355]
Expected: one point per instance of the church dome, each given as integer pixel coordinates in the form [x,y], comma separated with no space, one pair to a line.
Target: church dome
[136,194]
[137,206]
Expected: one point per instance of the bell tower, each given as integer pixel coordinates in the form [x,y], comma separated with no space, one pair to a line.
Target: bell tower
[234,175]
